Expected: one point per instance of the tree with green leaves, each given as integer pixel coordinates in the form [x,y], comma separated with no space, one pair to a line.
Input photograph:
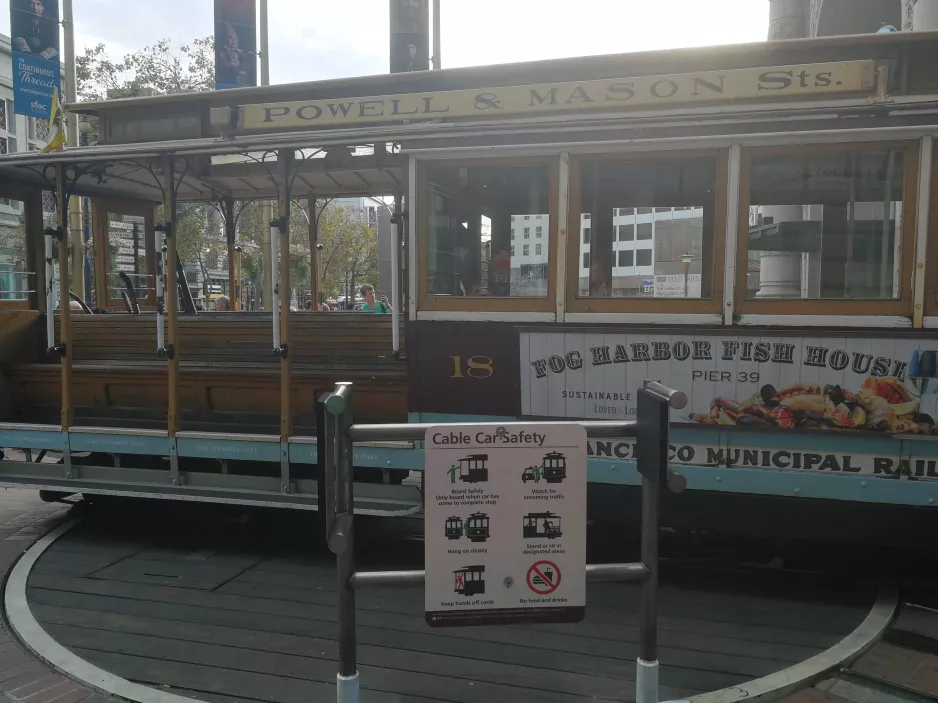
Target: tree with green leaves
[349,246]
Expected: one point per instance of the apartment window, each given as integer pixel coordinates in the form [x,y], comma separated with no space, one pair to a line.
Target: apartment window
[586,216]
[586,235]
[11,145]
[11,116]
[659,185]
[3,115]
[512,232]
[586,260]
[512,249]
[467,232]
[537,249]
[826,224]
[4,147]
[538,231]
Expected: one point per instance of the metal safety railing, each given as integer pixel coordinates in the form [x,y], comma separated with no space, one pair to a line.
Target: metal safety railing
[651,431]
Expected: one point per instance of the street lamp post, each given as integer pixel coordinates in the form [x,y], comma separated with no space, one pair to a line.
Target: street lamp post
[685,261]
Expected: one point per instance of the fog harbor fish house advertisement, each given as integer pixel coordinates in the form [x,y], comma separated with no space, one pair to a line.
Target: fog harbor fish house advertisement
[876,386]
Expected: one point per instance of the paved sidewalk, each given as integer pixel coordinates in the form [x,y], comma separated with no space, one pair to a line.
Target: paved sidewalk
[23,678]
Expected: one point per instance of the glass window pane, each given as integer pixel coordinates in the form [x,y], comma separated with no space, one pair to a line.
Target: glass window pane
[667,234]
[470,213]
[16,281]
[586,235]
[826,224]
[127,254]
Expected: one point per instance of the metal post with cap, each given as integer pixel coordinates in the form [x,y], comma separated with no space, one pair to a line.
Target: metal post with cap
[653,404]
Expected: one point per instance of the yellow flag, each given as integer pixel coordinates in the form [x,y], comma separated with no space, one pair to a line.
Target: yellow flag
[56,125]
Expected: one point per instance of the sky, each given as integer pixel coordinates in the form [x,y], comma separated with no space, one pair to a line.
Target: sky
[319,39]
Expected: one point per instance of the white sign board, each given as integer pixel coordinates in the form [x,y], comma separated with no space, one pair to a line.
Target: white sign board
[758,381]
[677,285]
[505,524]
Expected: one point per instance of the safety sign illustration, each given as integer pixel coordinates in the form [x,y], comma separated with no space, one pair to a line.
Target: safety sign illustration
[543,577]
[500,550]
[538,525]
[475,527]
[469,580]
[553,469]
[471,469]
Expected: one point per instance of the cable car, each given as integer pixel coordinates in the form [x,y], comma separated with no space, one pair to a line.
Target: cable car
[469,580]
[555,467]
[454,527]
[473,469]
[477,527]
[542,525]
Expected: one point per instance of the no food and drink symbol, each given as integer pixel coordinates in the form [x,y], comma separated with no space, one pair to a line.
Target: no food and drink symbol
[543,577]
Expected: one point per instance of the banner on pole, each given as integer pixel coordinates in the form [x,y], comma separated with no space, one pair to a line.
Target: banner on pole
[410,35]
[235,43]
[37,73]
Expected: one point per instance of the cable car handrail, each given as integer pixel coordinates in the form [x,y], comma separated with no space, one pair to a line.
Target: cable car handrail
[415,431]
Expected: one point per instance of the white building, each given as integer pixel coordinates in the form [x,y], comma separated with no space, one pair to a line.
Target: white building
[646,243]
[530,237]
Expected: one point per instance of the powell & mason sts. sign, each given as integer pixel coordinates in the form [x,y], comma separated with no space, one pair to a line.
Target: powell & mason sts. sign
[605,94]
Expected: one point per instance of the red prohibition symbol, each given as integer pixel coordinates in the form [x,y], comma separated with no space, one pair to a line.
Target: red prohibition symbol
[543,577]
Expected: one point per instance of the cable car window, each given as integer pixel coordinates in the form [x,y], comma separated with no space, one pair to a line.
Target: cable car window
[662,246]
[471,212]
[826,224]
[16,278]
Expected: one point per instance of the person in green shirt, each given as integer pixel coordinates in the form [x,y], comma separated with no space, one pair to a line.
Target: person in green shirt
[372,305]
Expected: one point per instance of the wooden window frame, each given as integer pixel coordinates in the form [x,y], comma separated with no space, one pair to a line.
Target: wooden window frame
[712,305]
[101,208]
[427,302]
[901,306]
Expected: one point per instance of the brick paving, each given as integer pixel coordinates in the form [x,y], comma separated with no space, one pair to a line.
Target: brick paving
[23,678]
[905,667]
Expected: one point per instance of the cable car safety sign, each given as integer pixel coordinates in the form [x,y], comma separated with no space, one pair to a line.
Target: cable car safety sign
[505,524]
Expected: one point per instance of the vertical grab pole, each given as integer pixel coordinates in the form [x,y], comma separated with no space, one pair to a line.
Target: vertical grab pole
[160,301]
[342,540]
[274,283]
[65,332]
[50,283]
[284,159]
[398,230]
[171,350]
[653,404]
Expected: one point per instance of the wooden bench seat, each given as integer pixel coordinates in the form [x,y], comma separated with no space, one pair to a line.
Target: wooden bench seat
[228,373]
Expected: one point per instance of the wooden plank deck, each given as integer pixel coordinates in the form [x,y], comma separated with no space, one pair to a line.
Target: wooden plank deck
[236,612]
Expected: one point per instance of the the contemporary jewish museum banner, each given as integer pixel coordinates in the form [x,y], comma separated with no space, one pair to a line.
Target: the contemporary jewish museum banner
[235,43]
[36,71]
[410,35]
